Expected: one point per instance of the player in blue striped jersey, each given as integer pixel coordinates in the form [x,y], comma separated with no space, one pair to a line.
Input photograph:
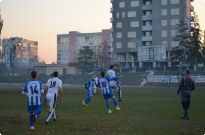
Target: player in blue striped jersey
[104,84]
[35,91]
[169,82]
[88,89]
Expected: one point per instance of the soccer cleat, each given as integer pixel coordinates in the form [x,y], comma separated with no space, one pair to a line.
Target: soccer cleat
[55,118]
[34,119]
[32,128]
[120,100]
[118,109]
[47,122]
[109,111]
[83,102]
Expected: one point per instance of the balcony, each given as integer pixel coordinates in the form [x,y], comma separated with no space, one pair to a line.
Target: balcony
[111,9]
[146,17]
[146,7]
[191,8]
[111,49]
[111,1]
[111,30]
[111,20]
[111,40]
[146,38]
[146,28]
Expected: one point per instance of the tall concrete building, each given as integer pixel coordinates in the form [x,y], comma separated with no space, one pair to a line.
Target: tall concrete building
[144,29]
[69,44]
[26,51]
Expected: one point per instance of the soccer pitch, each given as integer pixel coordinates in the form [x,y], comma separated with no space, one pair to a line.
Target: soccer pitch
[144,111]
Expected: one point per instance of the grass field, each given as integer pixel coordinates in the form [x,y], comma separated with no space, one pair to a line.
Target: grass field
[144,111]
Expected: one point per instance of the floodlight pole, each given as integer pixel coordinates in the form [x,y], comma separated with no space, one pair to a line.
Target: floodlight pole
[149,58]
[153,58]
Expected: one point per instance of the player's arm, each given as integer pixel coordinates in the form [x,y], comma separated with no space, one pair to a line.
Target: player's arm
[24,92]
[46,88]
[61,91]
[41,88]
[180,85]
[193,86]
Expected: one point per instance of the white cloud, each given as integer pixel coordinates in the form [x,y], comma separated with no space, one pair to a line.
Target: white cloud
[0,1]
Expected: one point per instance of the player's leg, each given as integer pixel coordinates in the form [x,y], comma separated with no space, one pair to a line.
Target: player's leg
[94,89]
[30,110]
[119,92]
[90,97]
[107,99]
[44,101]
[114,101]
[52,103]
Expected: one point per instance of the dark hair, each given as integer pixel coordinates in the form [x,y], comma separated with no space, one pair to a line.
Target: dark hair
[102,73]
[112,66]
[55,74]
[34,74]
[187,71]
[51,74]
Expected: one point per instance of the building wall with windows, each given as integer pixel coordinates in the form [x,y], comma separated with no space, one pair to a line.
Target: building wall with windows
[143,23]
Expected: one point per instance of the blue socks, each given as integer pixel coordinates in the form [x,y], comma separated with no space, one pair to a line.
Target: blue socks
[31,120]
[115,102]
[87,99]
[108,106]
[44,101]
[37,115]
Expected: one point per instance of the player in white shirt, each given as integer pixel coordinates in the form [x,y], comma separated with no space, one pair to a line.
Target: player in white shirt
[52,86]
[35,91]
[113,84]
[96,82]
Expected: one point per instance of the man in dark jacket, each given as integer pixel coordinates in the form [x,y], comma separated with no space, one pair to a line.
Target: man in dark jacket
[186,85]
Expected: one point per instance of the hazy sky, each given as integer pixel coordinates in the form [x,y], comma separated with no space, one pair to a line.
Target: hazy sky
[42,20]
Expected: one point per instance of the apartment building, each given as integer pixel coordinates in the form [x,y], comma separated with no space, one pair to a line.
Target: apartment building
[69,44]
[143,31]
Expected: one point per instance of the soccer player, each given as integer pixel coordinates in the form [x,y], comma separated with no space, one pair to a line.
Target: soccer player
[88,90]
[35,91]
[114,84]
[95,85]
[46,98]
[169,82]
[104,84]
[186,86]
[53,85]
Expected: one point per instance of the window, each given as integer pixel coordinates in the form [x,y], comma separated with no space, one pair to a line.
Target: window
[119,24]
[134,3]
[175,43]
[164,2]
[147,33]
[135,24]
[174,21]
[132,14]
[148,13]
[174,1]
[147,23]
[175,11]
[148,43]
[164,12]
[148,3]
[131,34]
[119,45]
[173,32]
[164,22]
[119,34]
[118,15]
[131,45]
[122,4]
[164,43]
[123,14]
[164,33]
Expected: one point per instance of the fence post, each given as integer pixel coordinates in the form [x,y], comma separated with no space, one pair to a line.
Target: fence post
[135,69]
[120,69]
[164,68]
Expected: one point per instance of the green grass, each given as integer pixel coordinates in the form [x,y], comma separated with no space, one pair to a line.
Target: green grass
[144,111]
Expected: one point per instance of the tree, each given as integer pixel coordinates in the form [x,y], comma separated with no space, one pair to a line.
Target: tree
[54,62]
[196,50]
[42,62]
[85,59]
[182,36]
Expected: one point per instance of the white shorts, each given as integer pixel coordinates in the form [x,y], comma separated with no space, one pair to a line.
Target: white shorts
[94,87]
[114,85]
[52,99]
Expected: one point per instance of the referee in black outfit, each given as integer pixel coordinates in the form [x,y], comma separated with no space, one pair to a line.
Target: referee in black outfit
[186,86]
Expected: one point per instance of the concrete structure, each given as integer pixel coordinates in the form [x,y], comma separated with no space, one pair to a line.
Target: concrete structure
[69,44]
[26,51]
[63,69]
[144,23]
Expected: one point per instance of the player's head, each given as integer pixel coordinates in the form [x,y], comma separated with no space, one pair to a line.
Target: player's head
[34,74]
[112,67]
[55,74]
[93,77]
[168,75]
[102,73]
[51,75]
[187,72]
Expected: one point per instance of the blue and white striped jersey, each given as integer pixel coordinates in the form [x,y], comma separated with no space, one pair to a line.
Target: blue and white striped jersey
[34,88]
[105,85]
[90,84]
